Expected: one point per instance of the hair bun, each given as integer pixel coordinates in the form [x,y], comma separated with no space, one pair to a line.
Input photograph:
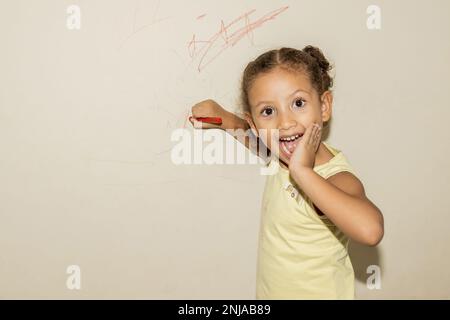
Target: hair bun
[317,54]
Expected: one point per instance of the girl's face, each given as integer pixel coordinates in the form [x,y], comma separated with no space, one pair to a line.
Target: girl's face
[285,103]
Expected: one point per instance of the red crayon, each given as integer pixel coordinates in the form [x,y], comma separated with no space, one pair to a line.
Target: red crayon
[213,120]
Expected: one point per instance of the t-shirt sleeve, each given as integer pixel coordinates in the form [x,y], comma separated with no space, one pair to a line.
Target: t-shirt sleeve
[339,164]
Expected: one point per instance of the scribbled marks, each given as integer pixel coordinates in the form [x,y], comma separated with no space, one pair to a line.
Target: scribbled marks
[136,29]
[208,50]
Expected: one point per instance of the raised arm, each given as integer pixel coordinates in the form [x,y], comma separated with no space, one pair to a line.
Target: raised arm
[231,123]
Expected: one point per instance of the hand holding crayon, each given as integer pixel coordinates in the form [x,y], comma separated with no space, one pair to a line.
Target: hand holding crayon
[208,114]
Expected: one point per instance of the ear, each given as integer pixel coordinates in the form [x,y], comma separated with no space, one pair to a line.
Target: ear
[326,102]
[249,119]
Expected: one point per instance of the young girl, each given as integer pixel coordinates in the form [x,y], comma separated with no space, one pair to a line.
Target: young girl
[315,202]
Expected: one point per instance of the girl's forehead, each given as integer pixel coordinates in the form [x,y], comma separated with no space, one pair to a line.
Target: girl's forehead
[279,82]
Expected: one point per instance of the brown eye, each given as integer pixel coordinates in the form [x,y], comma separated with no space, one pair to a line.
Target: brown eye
[299,102]
[268,113]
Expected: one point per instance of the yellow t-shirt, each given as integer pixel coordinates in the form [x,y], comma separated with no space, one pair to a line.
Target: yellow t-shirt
[301,255]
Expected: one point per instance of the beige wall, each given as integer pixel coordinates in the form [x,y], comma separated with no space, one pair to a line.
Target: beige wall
[85,123]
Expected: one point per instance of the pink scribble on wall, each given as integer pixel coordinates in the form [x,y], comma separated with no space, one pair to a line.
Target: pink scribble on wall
[209,50]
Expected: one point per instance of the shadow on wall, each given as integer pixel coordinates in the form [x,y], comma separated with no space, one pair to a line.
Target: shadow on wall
[363,256]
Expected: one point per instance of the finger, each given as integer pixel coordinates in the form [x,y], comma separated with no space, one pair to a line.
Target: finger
[308,133]
[317,135]
[317,128]
[318,143]
[318,138]
[318,132]
[313,134]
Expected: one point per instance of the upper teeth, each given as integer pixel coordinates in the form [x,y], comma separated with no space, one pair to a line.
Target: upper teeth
[290,138]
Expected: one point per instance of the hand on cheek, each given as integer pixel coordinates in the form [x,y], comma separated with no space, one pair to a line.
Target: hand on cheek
[304,154]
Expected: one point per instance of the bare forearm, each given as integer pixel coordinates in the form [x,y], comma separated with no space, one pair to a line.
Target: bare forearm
[357,217]
[239,129]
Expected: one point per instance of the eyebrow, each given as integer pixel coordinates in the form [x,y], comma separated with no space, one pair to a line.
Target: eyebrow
[269,102]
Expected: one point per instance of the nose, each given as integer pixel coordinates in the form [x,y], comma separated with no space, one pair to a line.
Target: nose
[287,121]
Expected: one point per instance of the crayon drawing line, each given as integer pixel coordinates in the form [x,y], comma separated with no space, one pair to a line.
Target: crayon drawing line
[229,39]
[141,28]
